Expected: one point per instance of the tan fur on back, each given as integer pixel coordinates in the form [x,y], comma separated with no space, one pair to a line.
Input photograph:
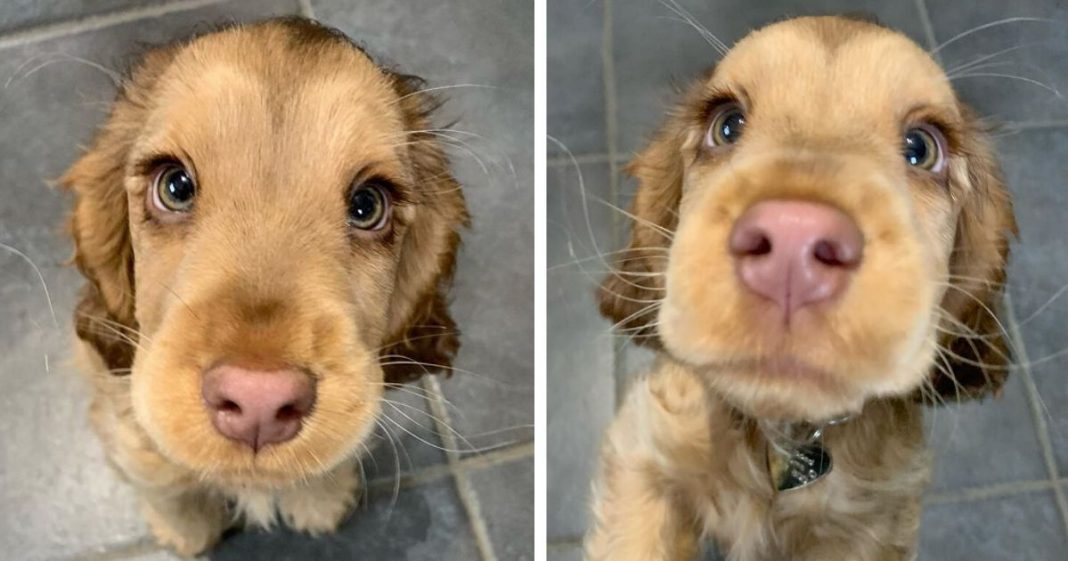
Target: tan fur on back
[827,104]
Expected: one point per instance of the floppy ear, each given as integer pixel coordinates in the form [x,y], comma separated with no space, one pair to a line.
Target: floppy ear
[424,338]
[99,224]
[629,294]
[978,364]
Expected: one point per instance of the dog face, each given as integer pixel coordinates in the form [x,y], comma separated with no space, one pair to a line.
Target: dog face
[267,222]
[821,222]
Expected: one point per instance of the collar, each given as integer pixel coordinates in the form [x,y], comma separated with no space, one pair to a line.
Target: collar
[796,456]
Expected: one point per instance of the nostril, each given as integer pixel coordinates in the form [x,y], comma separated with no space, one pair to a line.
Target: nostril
[827,253]
[834,254]
[228,406]
[751,242]
[289,412]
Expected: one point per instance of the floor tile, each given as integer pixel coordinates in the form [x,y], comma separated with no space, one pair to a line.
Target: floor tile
[655,52]
[407,436]
[575,89]
[581,392]
[568,553]
[506,496]
[17,15]
[1015,527]
[494,294]
[1038,52]
[961,439]
[52,470]
[1040,268]
[420,523]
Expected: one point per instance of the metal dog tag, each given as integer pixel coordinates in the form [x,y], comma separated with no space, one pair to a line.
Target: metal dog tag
[801,468]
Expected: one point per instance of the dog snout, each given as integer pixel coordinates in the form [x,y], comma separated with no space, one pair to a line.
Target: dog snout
[795,253]
[257,407]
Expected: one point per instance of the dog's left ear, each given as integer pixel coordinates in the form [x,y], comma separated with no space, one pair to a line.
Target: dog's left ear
[977,363]
[99,224]
[423,336]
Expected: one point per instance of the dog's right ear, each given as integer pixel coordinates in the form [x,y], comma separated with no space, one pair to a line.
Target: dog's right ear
[631,292]
[99,224]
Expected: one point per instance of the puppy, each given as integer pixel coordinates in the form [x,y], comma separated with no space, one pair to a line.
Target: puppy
[268,230]
[820,240]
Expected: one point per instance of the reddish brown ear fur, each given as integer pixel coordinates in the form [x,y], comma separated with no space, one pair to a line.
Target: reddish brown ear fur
[627,293]
[429,341]
[99,224]
[978,365]
[974,367]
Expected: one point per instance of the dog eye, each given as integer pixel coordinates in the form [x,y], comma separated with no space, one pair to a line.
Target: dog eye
[369,207]
[727,126]
[923,149]
[174,189]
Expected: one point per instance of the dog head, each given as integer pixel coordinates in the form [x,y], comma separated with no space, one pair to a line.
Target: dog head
[268,228]
[821,221]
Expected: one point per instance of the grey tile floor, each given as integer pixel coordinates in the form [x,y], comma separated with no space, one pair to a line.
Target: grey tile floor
[58,499]
[1000,466]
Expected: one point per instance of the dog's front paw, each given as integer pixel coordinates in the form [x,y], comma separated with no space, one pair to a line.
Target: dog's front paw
[186,529]
[320,507]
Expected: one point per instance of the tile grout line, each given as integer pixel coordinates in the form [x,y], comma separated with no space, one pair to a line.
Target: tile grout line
[100,21]
[998,490]
[928,28]
[583,159]
[122,550]
[1037,418]
[565,543]
[1024,126]
[464,489]
[609,77]
[439,471]
[306,9]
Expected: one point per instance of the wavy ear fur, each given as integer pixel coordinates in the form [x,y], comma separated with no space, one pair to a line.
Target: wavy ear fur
[99,224]
[425,337]
[977,365]
[628,292]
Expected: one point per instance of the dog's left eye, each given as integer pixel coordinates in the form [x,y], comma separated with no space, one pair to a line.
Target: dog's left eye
[727,126]
[174,189]
[369,207]
[922,149]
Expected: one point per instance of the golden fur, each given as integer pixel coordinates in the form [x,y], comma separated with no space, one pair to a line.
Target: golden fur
[828,101]
[278,120]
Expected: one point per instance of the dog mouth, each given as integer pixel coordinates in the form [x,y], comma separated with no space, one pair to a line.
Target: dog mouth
[781,368]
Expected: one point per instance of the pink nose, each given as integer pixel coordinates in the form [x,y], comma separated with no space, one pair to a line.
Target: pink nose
[795,253]
[257,407]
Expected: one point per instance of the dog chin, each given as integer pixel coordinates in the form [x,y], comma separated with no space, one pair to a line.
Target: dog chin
[780,388]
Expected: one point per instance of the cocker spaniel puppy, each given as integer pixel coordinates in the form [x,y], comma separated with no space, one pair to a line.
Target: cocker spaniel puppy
[268,228]
[819,245]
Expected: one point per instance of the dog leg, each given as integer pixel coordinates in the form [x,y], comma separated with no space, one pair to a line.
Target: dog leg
[319,506]
[638,513]
[189,521]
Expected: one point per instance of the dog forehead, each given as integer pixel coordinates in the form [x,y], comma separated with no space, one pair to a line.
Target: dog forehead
[330,104]
[268,74]
[830,68]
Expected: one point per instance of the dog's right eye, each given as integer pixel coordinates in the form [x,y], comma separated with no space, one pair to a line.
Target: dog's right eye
[727,126]
[174,189]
